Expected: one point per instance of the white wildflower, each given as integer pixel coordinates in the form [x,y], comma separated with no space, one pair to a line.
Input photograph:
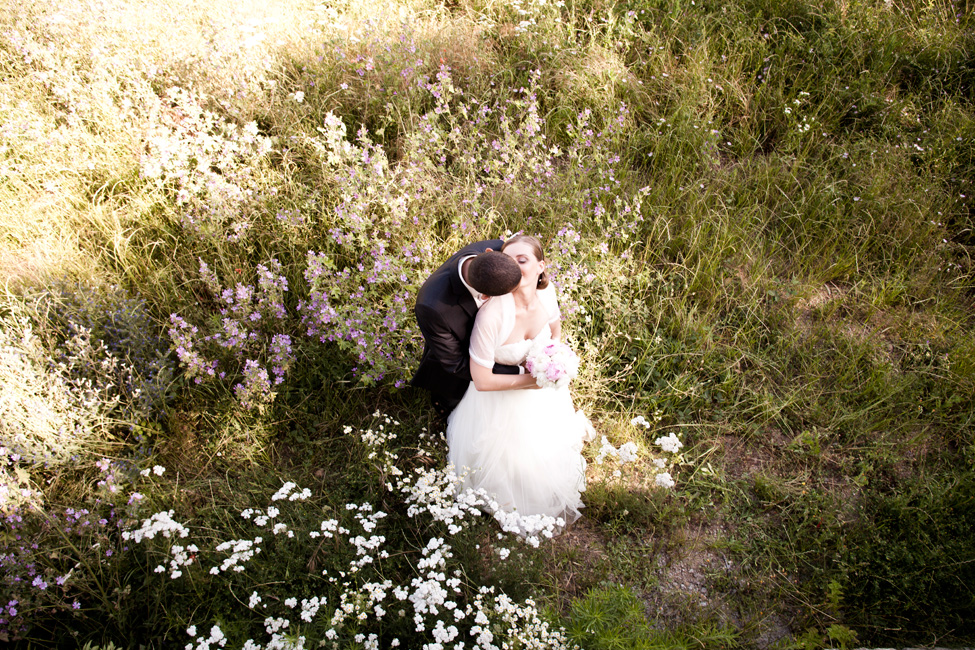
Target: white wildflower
[669,443]
[161,523]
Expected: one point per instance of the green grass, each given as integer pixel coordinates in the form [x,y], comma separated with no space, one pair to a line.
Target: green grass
[773,204]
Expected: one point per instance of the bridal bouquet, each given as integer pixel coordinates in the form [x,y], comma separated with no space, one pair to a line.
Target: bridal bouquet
[552,364]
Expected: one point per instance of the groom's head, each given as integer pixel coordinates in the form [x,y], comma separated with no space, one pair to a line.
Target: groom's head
[493,273]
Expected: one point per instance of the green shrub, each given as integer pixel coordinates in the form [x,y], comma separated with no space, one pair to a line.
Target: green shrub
[908,565]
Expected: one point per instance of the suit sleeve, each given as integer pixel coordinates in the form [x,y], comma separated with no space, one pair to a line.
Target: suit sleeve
[444,345]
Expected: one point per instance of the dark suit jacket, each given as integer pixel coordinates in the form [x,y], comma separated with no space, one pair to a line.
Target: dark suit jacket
[445,312]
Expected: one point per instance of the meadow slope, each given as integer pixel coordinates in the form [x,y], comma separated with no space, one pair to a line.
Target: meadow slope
[214,218]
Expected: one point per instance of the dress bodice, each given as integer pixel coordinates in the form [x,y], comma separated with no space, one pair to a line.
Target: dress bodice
[513,354]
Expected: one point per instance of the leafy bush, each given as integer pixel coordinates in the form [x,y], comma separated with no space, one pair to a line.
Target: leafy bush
[106,340]
[911,568]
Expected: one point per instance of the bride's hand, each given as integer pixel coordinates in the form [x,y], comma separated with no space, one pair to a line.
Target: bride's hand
[528,382]
[534,384]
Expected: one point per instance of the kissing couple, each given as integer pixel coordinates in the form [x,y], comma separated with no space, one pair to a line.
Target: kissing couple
[480,313]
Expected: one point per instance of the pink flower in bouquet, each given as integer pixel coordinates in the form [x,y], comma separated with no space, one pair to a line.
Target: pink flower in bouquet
[554,373]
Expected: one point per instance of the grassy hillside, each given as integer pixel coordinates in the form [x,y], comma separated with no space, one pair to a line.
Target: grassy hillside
[215,217]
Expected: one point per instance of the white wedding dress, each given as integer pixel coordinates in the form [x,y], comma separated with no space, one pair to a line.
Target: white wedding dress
[522,447]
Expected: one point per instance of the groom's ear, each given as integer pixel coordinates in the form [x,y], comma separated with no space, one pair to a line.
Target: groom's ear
[488,250]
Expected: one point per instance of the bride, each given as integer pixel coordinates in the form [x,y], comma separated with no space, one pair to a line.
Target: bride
[520,443]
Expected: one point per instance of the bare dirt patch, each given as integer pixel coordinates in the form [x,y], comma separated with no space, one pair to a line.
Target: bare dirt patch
[700,582]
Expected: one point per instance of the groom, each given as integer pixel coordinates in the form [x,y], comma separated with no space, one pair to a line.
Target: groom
[445,309]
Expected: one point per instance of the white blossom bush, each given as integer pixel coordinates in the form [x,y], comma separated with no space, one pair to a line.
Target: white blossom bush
[389,579]
[212,165]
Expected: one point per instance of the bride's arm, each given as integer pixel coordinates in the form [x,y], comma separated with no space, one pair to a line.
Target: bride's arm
[485,380]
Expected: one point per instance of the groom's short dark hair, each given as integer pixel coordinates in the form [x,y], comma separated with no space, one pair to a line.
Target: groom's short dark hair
[493,273]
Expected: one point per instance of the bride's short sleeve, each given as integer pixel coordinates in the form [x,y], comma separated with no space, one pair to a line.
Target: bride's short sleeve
[487,332]
[551,302]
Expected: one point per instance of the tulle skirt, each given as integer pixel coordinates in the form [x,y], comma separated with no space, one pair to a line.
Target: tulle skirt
[524,448]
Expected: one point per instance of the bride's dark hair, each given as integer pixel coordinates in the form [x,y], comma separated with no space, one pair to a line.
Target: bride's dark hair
[536,247]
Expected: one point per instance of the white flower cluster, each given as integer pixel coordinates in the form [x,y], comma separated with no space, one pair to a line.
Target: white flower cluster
[364,546]
[329,527]
[626,453]
[157,470]
[310,607]
[161,523]
[433,492]
[286,493]
[279,528]
[262,518]
[432,591]
[182,557]
[242,550]
[669,443]
[275,625]
[365,515]
[664,480]
[641,421]
[531,528]
[521,622]
[442,635]
[376,440]
[216,639]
